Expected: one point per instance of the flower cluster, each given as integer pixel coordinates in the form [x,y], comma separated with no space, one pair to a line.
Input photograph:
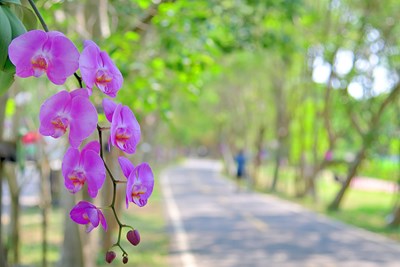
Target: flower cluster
[36,53]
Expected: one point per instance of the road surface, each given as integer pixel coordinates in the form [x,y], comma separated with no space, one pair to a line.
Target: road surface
[213,225]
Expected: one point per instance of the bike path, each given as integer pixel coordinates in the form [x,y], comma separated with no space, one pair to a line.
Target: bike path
[212,224]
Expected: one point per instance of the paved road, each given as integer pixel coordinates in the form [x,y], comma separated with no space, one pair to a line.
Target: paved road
[215,226]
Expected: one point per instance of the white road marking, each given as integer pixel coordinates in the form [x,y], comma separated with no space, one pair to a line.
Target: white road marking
[186,256]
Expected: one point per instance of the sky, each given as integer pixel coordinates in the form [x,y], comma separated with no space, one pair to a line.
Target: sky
[382,79]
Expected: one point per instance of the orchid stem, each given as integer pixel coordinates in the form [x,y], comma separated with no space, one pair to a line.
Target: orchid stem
[38,15]
[114,182]
[79,79]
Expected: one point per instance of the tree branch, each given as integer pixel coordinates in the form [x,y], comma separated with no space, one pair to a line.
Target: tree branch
[145,21]
[356,124]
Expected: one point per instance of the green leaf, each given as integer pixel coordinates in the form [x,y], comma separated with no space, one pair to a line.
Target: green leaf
[6,80]
[5,36]
[17,28]
[15,2]
[8,66]
[27,17]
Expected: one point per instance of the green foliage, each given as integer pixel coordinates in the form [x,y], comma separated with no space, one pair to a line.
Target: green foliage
[15,2]
[26,16]
[384,168]
[17,28]
[6,80]
[6,36]
[13,19]
[10,107]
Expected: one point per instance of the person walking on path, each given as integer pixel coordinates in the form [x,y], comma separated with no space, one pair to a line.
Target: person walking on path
[240,160]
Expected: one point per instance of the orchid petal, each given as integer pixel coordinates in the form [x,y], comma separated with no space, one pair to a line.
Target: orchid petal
[109,108]
[88,62]
[95,172]
[84,120]
[22,49]
[102,220]
[126,166]
[78,211]
[53,106]
[93,145]
[79,92]
[97,68]
[65,59]
[37,52]
[140,185]
[69,164]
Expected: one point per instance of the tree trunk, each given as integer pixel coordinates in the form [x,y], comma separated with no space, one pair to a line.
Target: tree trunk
[395,220]
[45,203]
[15,212]
[258,158]
[277,168]
[71,251]
[367,138]
[350,174]
[282,119]
[15,227]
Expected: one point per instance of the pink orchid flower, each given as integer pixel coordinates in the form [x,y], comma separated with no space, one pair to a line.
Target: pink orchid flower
[140,182]
[97,68]
[86,213]
[36,52]
[83,167]
[64,110]
[125,130]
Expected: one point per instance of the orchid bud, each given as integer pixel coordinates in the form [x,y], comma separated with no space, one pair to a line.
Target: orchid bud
[133,236]
[125,259]
[110,256]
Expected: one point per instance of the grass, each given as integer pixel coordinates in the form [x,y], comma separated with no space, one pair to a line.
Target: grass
[31,236]
[150,221]
[364,209]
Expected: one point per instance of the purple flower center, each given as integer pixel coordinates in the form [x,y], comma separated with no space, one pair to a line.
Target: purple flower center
[86,217]
[39,64]
[121,136]
[103,77]
[137,191]
[60,126]
[78,179]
